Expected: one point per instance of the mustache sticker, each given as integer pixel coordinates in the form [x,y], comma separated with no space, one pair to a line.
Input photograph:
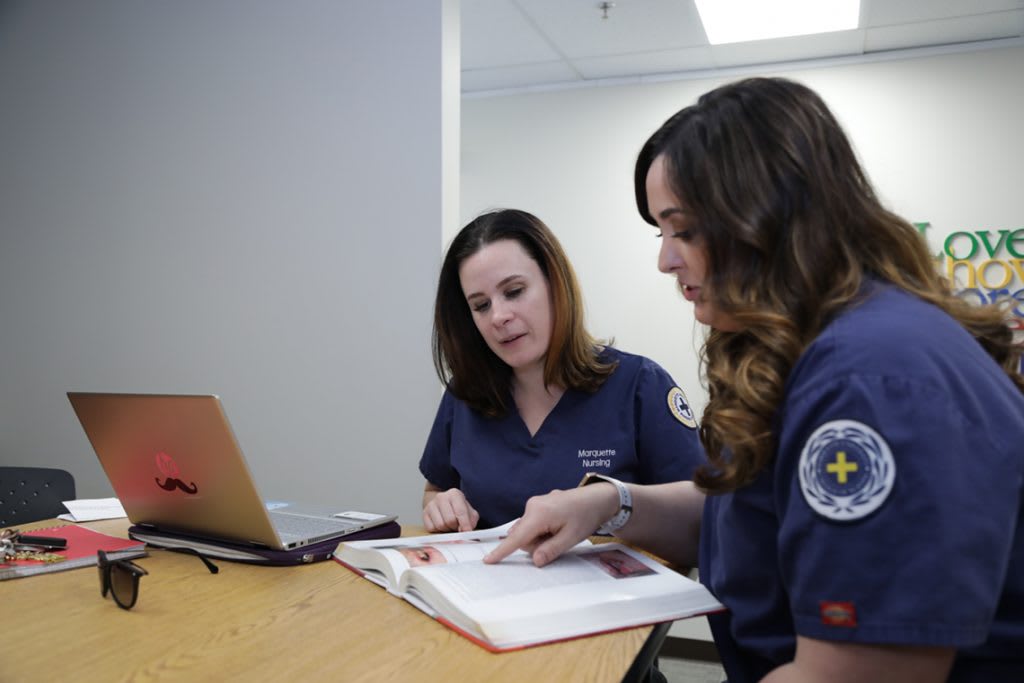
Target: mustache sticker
[166,464]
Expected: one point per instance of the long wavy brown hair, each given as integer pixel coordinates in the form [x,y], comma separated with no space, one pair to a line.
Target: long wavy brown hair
[791,228]
[462,359]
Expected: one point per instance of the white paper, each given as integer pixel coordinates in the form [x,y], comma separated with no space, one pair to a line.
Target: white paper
[90,509]
[361,516]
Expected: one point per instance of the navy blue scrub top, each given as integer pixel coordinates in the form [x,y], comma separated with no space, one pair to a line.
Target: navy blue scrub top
[637,427]
[892,512]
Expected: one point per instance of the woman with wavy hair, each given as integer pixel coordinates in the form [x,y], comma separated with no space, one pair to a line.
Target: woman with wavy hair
[532,401]
[861,514]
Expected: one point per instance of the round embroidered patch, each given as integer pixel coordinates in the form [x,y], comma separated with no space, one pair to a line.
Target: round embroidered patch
[680,408]
[846,470]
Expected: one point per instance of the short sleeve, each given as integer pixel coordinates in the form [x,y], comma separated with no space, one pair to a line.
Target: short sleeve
[896,515]
[668,445]
[436,463]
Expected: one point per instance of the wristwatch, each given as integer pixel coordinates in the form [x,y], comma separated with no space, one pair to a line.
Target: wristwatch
[625,502]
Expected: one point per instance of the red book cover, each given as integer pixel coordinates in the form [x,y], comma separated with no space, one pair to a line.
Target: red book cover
[80,551]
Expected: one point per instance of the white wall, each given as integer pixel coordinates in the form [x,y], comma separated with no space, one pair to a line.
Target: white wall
[940,137]
[241,198]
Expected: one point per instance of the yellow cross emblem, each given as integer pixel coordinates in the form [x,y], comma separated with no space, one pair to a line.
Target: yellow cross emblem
[841,468]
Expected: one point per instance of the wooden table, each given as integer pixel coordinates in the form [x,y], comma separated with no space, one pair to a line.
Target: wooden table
[318,622]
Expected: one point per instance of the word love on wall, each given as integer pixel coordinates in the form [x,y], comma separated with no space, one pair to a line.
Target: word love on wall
[987,264]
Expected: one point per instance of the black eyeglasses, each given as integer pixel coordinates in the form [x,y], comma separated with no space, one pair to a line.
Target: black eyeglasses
[120,578]
[192,551]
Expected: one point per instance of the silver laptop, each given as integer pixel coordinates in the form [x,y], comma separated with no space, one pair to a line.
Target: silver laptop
[175,465]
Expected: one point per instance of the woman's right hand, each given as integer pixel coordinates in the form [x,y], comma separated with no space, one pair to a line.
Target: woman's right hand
[448,511]
[555,522]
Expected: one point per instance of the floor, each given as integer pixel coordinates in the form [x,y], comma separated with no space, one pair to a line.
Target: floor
[690,670]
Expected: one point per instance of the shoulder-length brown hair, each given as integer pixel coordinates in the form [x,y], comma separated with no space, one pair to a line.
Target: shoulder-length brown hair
[472,372]
[791,228]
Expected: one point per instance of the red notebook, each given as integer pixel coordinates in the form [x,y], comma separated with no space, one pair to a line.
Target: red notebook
[80,551]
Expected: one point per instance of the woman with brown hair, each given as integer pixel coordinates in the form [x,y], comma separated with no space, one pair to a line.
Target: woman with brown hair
[533,402]
[861,514]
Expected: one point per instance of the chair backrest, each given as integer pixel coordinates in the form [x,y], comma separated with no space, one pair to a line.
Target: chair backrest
[29,494]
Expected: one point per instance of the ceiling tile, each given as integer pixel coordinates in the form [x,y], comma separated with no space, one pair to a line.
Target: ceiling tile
[646,63]
[887,12]
[577,30]
[496,33]
[946,31]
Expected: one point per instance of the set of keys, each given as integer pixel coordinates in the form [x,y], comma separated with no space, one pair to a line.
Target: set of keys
[15,545]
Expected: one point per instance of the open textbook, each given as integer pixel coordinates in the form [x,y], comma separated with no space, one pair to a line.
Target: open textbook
[514,604]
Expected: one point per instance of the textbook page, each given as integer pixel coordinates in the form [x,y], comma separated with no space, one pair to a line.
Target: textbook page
[384,561]
[594,589]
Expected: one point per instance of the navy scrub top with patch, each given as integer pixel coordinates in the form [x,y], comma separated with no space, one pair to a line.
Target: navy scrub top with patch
[637,427]
[892,512]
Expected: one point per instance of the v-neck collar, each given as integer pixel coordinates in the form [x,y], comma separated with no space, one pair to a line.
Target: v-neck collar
[563,399]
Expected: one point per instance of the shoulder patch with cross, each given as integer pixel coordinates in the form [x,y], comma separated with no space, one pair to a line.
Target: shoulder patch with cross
[846,470]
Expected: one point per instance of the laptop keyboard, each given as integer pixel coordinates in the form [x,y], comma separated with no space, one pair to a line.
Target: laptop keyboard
[299,525]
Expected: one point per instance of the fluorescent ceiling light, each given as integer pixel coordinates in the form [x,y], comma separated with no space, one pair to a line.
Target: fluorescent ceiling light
[734,21]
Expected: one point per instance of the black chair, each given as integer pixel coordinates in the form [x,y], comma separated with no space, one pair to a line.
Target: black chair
[29,494]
